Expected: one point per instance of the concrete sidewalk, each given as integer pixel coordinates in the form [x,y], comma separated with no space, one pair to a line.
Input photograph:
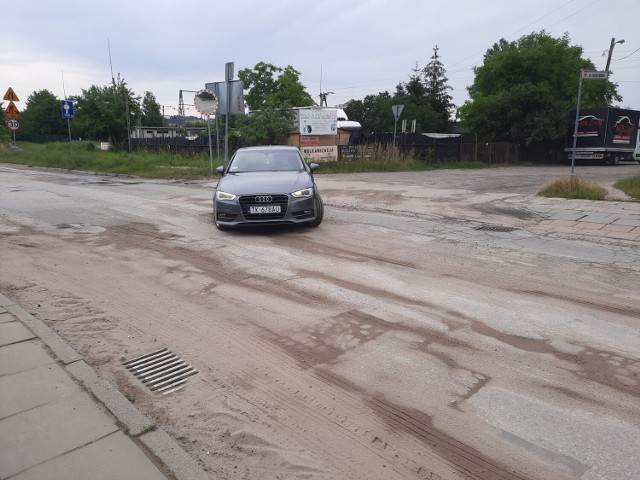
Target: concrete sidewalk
[59,420]
[611,219]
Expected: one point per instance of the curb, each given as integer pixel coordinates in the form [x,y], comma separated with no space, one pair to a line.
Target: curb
[164,449]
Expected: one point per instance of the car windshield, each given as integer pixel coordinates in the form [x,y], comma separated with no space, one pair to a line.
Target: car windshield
[266,161]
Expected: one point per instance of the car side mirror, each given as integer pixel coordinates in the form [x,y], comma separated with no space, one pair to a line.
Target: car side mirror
[220,170]
[314,167]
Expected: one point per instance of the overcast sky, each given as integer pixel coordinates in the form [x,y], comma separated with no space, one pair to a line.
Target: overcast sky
[352,48]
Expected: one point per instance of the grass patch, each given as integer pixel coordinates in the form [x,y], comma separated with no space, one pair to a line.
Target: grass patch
[391,159]
[630,186]
[85,156]
[150,428]
[573,187]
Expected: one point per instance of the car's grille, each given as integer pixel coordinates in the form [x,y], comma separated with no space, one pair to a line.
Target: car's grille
[264,200]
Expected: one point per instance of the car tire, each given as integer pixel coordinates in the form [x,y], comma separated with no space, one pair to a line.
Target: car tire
[319,216]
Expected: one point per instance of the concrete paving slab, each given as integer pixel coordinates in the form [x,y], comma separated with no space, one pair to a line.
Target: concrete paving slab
[634,222]
[566,215]
[133,420]
[23,356]
[172,455]
[618,228]
[112,457]
[62,426]
[25,390]
[60,348]
[599,218]
[6,317]
[13,332]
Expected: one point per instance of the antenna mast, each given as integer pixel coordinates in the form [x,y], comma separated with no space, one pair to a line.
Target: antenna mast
[110,64]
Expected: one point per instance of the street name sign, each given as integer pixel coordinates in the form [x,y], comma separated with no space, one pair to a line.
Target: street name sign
[594,75]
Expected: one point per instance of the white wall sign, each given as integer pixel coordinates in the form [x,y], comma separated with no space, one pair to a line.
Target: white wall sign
[314,121]
[320,154]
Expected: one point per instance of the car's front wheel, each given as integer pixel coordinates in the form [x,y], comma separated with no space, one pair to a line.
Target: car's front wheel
[319,213]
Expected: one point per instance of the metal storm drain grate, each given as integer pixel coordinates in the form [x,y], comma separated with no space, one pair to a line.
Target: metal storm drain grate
[496,228]
[161,371]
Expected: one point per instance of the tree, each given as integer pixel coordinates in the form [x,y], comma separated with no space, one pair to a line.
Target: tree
[437,92]
[43,115]
[425,98]
[151,111]
[5,136]
[271,94]
[101,112]
[266,90]
[525,89]
[374,112]
[268,126]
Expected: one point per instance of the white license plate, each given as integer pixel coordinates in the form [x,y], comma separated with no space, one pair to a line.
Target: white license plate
[264,209]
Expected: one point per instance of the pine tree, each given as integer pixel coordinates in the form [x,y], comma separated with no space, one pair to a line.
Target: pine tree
[436,86]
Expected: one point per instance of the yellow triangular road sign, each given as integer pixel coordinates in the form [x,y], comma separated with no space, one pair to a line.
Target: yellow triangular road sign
[11,95]
[12,111]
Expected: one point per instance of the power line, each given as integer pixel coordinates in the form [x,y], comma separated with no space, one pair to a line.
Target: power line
[526,26]
[616,59]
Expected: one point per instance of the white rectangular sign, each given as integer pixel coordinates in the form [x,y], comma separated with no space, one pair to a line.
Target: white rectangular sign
[320,154]
[594,75]
[315,121]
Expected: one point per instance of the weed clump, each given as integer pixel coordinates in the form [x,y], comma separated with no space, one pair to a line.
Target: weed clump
[630,186]
[573,187]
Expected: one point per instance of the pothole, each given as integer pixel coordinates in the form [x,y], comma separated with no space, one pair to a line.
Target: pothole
[496,228]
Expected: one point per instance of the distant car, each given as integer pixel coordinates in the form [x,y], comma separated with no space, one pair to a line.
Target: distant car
[267,185]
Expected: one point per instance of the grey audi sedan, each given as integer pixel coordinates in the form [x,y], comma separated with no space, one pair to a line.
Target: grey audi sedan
[267,185]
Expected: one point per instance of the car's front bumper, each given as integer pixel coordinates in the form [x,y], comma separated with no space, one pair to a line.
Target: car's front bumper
[293,210]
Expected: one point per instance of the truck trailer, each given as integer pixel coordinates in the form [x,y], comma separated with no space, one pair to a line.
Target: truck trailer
[604,134]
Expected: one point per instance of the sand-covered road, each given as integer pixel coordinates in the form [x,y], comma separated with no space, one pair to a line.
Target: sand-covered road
[396,340]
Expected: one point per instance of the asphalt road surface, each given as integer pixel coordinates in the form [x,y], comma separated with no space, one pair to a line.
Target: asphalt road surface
[398,340]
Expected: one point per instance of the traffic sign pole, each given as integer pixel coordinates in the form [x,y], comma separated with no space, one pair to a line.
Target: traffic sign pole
[575,127]
[12,112]
[589,75]
[397,111]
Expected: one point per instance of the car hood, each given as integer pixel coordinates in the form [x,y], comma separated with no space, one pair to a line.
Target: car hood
[247,183]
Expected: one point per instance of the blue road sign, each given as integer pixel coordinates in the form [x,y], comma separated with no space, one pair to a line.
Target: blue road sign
[67,108]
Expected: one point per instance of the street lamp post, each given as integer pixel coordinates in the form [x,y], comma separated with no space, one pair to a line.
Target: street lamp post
[613,43]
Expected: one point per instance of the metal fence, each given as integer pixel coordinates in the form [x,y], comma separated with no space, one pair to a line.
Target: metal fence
[177,145]
[441,149]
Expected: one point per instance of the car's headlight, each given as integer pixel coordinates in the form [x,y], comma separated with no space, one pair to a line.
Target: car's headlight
[225,196]
[304,193]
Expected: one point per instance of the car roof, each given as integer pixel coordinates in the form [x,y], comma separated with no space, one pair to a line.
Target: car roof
[269,147]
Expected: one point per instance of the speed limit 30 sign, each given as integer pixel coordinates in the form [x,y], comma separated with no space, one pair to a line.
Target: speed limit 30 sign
[13,124]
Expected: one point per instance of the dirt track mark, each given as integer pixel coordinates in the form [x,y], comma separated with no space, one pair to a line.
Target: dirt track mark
[306,244]
[625,311]
[461,457]
[606,367]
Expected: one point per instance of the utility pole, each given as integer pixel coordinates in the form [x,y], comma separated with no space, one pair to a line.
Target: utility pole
[613,44]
